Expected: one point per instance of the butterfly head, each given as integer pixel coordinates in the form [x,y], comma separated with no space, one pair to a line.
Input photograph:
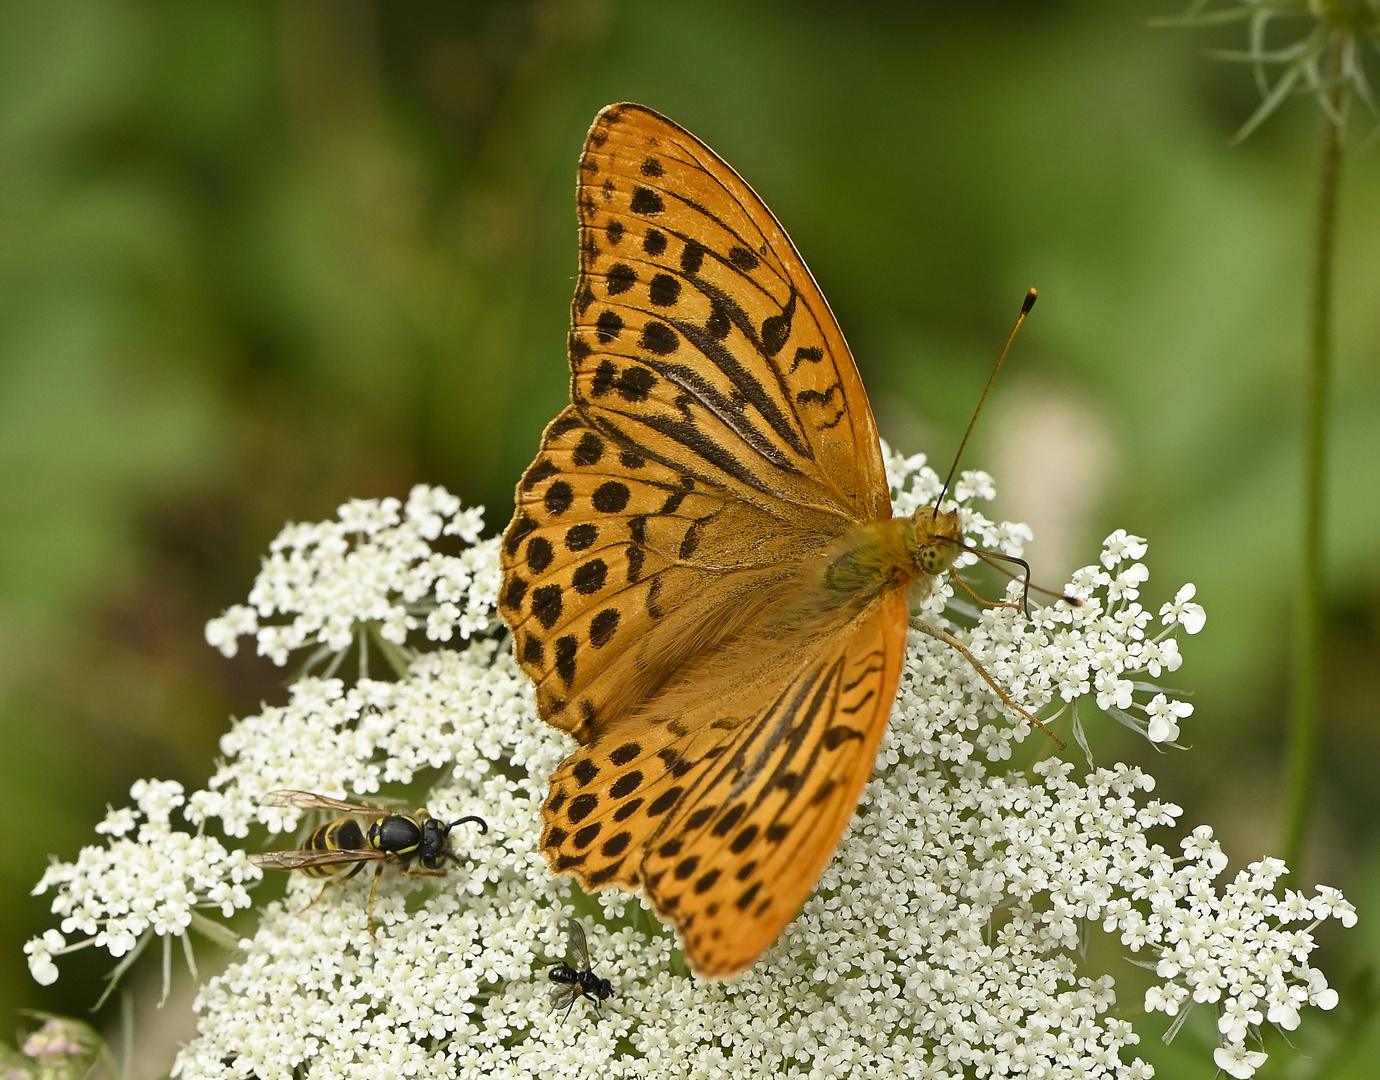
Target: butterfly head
[938,539]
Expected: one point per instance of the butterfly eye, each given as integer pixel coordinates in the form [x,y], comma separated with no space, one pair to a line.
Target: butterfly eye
[936,558]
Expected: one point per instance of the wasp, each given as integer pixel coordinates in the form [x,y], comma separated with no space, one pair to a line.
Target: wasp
[339,849]
[578,980]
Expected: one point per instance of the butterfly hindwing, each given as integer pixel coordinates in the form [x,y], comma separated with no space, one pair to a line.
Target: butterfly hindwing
[726,816]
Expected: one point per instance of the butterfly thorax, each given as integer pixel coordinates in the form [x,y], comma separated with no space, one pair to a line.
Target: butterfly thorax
[894,553]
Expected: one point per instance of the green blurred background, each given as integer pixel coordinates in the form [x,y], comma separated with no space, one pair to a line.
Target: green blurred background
[257,258]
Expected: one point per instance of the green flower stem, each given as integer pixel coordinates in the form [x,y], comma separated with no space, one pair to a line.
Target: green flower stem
[1308,633]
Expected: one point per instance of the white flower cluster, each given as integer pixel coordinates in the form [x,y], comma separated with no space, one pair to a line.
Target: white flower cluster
[944,939]
[372,566]
[914,484]
[1070,650]
[117,894]
[1210,946]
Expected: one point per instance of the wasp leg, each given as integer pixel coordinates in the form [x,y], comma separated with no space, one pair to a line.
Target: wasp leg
[339,879]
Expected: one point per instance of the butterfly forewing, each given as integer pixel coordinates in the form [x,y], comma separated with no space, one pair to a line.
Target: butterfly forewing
[699,335]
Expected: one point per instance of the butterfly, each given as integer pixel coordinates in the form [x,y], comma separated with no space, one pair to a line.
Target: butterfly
[703,576]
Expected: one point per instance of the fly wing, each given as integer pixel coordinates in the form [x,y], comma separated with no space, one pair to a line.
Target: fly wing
[577,945]
[562,997]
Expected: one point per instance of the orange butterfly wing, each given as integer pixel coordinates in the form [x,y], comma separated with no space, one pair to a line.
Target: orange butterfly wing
[699,335]
[727,813]
[718,449]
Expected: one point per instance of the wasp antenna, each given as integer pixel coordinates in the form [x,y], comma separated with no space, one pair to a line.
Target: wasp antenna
[483,825]
[1026,305]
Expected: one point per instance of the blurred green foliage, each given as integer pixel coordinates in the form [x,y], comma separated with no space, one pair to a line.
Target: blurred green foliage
[259,258]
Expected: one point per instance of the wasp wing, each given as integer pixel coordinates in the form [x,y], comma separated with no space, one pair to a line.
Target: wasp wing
[309,800]
[303,858]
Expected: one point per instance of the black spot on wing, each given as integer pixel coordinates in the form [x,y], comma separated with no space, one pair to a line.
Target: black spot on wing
[603,378]
[620,278]
[547,605]
[558,498]
[664,290]
[626,784]
[589,578]
[540,554]
[514,593]
[541,469]
[692,257]
[608,326]
[588,450]
[581,537]
[521,528]
[611,497]
[602,627]
[634,384]
[659,338]
[646,201]
[742,258]
[566,649]
[582,806]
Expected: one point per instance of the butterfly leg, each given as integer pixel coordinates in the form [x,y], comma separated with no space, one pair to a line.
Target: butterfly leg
[981,601]
[949,639]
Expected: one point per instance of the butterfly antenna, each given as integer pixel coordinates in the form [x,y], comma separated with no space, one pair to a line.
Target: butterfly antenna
[1025,310]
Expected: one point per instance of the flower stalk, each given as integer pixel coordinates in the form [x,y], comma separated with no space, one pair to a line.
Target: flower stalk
[1304,707]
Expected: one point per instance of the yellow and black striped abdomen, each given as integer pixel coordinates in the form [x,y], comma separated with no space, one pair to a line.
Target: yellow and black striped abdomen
[342,834]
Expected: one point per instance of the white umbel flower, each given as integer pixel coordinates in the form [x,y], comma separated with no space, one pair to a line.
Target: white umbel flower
[943,938]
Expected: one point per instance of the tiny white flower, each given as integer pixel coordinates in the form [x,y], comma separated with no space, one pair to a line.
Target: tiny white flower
[40,952]
[1190,616]
[224,633]
[1122,545]
[1165,716]
[118,822]
[1237,1061]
